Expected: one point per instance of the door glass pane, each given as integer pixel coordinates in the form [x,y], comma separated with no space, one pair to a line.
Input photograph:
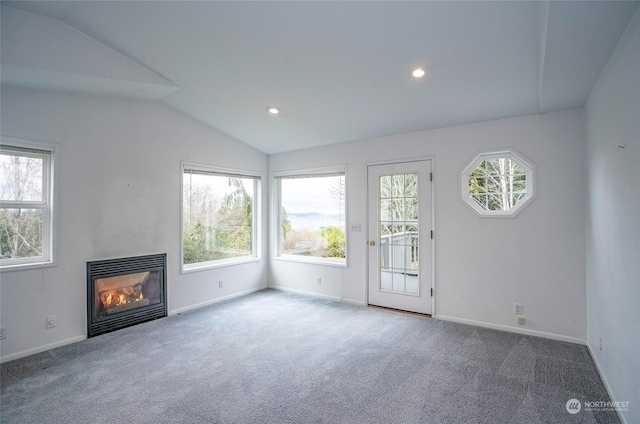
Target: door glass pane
[385,187]
[397,211]
[398,282]
[397,185]
[398,244]
[385,210]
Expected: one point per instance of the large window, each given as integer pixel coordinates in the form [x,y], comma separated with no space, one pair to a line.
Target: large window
[311,223]
[498,184]
[25,206]
[219,217]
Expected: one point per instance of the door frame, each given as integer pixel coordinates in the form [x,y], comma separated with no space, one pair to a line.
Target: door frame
[433,224]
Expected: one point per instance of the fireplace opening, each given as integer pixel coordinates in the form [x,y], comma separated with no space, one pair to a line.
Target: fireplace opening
[124,292]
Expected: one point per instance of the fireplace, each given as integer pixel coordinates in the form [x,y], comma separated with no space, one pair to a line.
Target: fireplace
[124,292]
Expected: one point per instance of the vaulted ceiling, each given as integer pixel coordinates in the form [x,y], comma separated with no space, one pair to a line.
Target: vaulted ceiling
[338,71]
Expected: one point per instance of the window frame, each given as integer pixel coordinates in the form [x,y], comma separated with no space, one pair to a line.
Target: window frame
[256,218]
[530,172]
[277,209]
[49,153]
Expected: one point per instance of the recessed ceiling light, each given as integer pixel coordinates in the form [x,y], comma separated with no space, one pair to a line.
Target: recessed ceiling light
[273,110]
[419,72]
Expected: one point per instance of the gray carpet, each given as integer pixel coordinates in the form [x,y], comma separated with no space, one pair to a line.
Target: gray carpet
[275,357]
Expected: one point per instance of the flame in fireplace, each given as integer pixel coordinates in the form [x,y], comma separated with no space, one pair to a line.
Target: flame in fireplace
[121,296]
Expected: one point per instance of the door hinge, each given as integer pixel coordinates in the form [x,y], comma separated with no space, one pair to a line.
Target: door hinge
[430,176]
[431,234]
[431,292]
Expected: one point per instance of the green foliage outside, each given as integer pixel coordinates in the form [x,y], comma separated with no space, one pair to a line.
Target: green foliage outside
[336,241]
[230,232]
[286,223]
[326,242]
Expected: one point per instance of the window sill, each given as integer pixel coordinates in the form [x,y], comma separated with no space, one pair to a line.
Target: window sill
[311,260]
[218,264]
[27,266]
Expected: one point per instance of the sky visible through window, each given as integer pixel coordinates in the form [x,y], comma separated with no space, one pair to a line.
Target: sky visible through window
[313,203]
[216,188]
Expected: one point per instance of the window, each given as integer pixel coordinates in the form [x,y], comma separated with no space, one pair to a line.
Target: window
[498,184]
[219,217]
[311,225]
[25,205]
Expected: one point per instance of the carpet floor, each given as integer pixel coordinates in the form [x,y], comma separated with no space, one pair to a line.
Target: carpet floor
[277,357]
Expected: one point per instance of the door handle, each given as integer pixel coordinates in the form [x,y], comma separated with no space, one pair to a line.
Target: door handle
[372,243]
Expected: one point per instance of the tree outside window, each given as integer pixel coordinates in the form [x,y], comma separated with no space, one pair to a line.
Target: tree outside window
[25,212]
[498,184]
[218,217]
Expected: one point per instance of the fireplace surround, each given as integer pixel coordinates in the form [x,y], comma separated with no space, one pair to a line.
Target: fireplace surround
[125,291]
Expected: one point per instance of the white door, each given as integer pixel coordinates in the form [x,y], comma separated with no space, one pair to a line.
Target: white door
[400,248]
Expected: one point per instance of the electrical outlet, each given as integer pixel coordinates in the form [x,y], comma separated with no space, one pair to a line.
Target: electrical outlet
[521,320]
[220,283]
[3,335]
[319,280]
[517,308]
[51,321]
[356,227]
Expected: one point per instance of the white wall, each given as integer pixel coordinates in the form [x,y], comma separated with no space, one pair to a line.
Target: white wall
[118,157]
[483,266]
[118,194]
[612,116]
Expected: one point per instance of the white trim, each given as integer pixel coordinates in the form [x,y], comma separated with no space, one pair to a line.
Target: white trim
[305,293]
[310,172]
[531,186]
[510,329]
[51,152]
[607,386]
[220,170]
[220,263]
[352,302]
[276,207]
[213,301]
[431,160]
[27,266]
[405,160]
[432,181]
[257,218]
[313,260]
[42,348]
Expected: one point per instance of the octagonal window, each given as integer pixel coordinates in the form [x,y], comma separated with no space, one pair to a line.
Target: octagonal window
[498,184]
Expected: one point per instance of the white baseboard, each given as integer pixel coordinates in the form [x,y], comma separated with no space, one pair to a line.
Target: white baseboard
[353,302]
[305,293]
[42,348]
[76,339]
[606,384]
[217,300]
[524,331]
